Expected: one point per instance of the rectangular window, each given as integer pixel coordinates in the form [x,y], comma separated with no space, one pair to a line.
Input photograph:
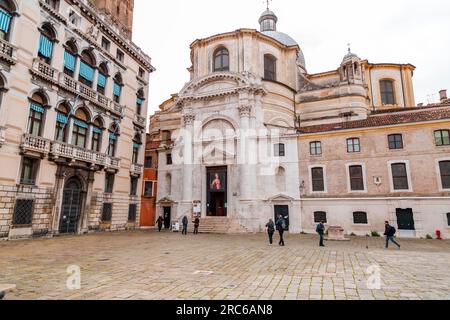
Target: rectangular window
[387,92]
[107,212]
[448,219]
[120,56]
[133,186]
[109,182]
[148,189]
[400,176]
[169,159]
[96,138]
[442,138]
[356,178]
[317,179]
[61,128]
[360,218]
[132,212]
[353,145]
[166,136]
[23,212]
[79,135]
[35,120]
[395,141]
[316,148]
[444,166]
[29,171]
[148,162]
[135,155]
[320,216]
[106,44]
[280,150]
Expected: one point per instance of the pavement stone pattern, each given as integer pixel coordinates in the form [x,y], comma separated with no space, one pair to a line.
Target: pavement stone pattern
[146,265]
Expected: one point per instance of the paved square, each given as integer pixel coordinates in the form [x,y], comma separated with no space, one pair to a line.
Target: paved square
[148,265]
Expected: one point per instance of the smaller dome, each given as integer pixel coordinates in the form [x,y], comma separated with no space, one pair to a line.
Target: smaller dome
[268,21]
[350,56]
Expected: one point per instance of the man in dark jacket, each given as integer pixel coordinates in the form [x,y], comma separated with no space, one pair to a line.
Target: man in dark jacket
[160,223]
[270,230]
[185,222]
[390,233]
[321,231]
[196,224]
[281,226]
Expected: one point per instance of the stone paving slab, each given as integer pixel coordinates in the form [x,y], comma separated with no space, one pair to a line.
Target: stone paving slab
[149,265]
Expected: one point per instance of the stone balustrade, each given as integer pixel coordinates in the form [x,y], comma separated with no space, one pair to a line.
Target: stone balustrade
[7,51]
[139,120]
[42,69]
[35,144]
[137,169]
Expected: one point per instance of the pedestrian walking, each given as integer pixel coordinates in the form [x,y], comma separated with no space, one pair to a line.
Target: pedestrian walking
[185,222]
[281,226]
[390,232]
[160,222]
[196,224]
[270,230]
[321,231]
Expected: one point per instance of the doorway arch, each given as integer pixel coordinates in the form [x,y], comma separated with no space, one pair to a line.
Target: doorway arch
[71,206]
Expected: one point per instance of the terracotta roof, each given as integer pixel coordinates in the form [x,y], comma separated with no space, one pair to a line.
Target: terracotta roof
[385,118]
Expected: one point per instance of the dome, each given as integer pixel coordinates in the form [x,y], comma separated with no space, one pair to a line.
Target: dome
[281,37]
[350,56]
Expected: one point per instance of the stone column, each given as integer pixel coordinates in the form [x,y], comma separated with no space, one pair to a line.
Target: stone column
[243,151]
[188,155]
[57,199]
[84,225]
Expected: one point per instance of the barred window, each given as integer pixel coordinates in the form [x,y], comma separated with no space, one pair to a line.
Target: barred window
[360,218]
[317,179]
[23,212]
[107,212]
[132,210]
[320,216]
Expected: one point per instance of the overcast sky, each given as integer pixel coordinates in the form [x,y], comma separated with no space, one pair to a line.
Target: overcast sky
[397,31]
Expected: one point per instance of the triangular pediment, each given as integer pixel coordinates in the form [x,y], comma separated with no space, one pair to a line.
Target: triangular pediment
[280,198]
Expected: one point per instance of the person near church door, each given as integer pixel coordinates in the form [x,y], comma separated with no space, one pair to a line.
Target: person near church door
[159,222]
[270,230]
[281,226]
[185,222]
[321,231]
[196,224]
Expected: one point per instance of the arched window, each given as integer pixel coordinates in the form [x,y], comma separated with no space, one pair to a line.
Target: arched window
[97,132]
[137,142]
[87,66]
[70,58]
[270,67]
[46,43]
[281,179]
[6,16]
[117,91]
[36,115]
[221,60]
[139,101]
[168,184]
[387,92]
[102,78]
[80,128]
[62,119]
[114,133]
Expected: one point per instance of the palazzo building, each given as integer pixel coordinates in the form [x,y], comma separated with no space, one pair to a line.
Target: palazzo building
[73,110]
[253,135]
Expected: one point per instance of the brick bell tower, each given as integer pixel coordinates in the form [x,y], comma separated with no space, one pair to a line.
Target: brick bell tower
[120,12]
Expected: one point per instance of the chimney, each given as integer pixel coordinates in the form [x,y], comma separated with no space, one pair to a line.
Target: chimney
[443,95]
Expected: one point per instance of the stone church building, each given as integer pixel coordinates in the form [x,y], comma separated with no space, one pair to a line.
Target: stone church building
[253,135]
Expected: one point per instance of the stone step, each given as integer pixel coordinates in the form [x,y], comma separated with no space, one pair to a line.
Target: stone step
[219,225]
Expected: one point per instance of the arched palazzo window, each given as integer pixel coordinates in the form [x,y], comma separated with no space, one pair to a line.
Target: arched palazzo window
[387,92]
[117,90]
[102,78]
[7,9]
[270,67]
[221,60]
[87,68]
[140,101]
[46,43]
[137,142]
[80,128]
[62,120]
[112,141]
[97,132]
[36,115]
[70,58]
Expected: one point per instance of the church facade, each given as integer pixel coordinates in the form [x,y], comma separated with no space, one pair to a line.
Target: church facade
[253,135]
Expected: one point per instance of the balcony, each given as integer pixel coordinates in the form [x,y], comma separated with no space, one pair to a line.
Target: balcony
[139,120]
[7,52]
[35,144]
[137,169]
[43,70]
[64,150]
[2,136]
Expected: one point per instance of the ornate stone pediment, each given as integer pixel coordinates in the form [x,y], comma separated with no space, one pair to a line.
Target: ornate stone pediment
[280,198]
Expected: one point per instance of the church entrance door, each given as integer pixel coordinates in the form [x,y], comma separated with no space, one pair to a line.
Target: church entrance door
[217,186]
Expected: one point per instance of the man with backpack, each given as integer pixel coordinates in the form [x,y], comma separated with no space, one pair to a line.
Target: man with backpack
[321,231]
[281,226]
[390,232]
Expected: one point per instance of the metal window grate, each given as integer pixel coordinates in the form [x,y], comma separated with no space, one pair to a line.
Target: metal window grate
[132,211]
[23,212]
[107,212]
[360,218]
[320,216]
